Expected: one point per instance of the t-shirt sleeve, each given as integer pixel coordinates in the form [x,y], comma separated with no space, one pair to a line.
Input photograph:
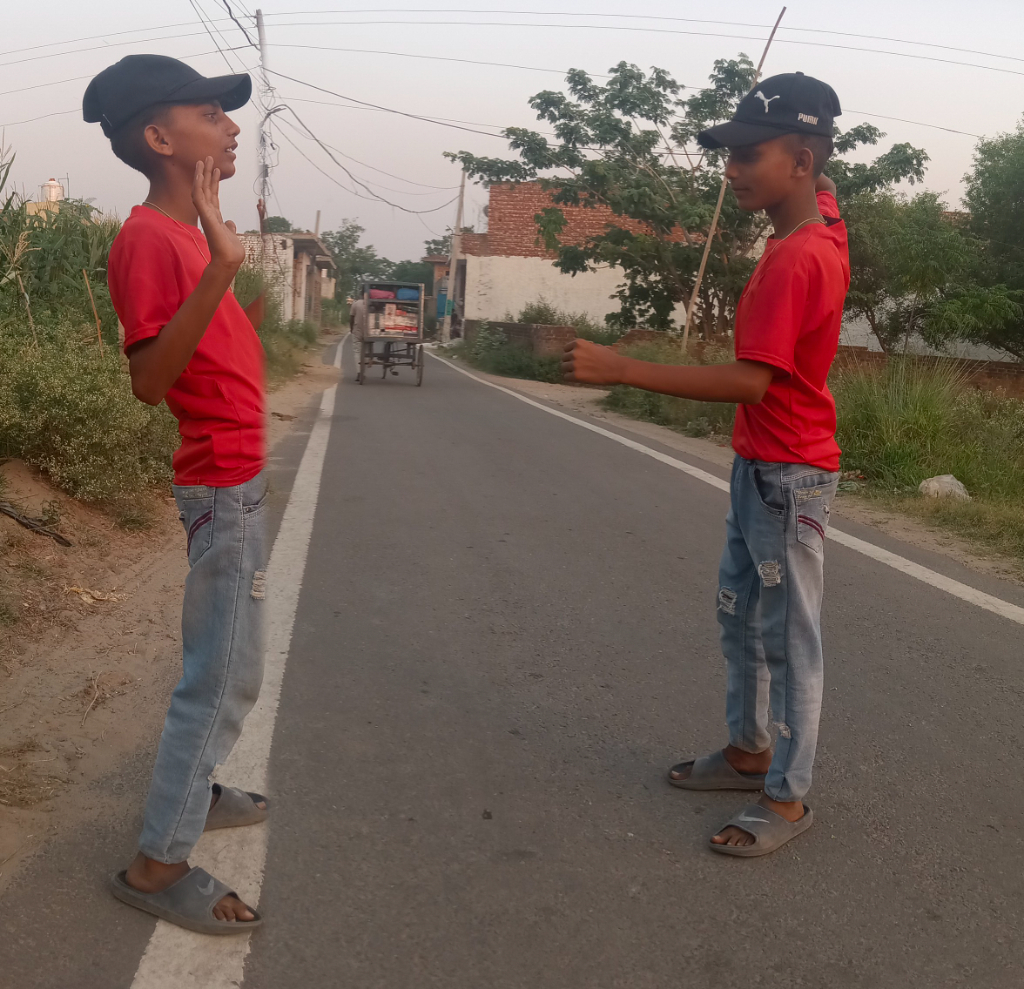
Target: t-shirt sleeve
[827,204]
[144,286]
[774,316]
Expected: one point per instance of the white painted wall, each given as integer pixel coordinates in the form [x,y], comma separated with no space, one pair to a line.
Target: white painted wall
[857,333]
[279,273]
[496,286]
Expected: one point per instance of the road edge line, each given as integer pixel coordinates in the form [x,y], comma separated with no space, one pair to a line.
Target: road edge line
[926,575]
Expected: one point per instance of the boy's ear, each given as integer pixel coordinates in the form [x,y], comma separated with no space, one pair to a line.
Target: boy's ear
[803,162]
[156,138]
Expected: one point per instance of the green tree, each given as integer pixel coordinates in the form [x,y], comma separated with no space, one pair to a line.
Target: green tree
[354,260]
[626,146]
[277,225]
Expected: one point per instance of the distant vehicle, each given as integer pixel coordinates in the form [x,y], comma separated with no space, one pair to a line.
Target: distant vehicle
[386,320]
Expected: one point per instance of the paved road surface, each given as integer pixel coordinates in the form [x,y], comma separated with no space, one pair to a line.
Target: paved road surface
[504,636]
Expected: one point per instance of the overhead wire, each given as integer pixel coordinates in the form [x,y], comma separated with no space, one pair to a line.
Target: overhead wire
[353,178]
[238,24]
[653,30]
[202,19]
[644,17]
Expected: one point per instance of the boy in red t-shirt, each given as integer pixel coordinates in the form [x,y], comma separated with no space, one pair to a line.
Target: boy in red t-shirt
[191,344]
[786,469]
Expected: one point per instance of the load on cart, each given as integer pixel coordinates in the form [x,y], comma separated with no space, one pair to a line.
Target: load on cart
[387,325]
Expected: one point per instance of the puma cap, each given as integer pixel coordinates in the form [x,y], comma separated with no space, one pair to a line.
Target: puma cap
[140,81]
[784,104]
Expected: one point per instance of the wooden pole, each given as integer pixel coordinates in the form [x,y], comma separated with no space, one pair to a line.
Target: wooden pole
[721,197]
[92,302]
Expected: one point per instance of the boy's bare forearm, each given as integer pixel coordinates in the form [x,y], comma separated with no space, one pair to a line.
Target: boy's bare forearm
[740,381]
[158,362]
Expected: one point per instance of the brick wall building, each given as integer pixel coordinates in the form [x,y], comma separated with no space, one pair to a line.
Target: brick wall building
[508,266]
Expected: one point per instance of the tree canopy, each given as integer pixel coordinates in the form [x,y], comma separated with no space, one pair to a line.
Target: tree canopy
[628,145]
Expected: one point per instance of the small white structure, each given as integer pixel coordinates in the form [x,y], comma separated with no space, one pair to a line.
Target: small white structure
[53,191]
[944,486]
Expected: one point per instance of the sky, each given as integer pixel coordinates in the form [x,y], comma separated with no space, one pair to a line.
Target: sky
[407,58]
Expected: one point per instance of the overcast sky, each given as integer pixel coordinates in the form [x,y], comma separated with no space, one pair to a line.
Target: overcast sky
[973,98]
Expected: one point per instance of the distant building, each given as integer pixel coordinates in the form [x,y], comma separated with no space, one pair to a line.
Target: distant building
[508,267]
[298,267]
[51,193]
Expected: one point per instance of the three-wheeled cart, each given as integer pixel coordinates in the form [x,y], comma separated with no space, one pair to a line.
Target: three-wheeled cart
[388,328]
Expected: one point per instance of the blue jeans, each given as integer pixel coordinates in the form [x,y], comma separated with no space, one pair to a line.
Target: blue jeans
[222,659]
[769,608]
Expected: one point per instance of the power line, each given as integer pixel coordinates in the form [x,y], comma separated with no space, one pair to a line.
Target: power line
[115,44]
[238,24]
[353,192]
[437,58]
[654,30]
[645,17]
[352,177]
[202,19]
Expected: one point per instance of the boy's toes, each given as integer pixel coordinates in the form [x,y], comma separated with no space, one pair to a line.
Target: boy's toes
[231,909]
[732,836]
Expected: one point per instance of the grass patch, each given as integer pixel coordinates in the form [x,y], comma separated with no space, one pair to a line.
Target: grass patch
[492,352]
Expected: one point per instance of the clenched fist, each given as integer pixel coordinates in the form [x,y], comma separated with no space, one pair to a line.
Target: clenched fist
[591,364]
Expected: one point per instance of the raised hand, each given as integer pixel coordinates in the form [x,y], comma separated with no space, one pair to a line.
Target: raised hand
[226,249]
[261,209]
[590,363]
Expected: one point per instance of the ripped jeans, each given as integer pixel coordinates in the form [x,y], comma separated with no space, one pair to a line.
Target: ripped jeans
[222,659]
[769,609]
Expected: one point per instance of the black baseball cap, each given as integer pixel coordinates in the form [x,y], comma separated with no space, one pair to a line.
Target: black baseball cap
[139,81]
[791,103]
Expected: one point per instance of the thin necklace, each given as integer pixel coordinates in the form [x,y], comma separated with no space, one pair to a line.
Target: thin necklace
[812,219]
[149,202]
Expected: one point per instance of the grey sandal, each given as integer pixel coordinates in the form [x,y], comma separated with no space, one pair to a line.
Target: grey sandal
[235,809]
[713,772]
[769,830]
[188,903]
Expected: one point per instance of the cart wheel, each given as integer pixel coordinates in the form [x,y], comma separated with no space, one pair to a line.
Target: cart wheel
[419,366]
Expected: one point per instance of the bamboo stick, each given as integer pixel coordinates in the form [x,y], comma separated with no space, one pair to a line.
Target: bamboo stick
[721,197]
[92,301]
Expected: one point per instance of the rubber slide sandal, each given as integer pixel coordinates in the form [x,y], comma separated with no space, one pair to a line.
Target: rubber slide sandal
[713,772]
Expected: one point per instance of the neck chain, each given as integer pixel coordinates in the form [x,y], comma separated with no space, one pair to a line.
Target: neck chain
[149,202]
[799,226]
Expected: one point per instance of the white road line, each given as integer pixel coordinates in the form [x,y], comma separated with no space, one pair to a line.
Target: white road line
[972,595]
[178,959]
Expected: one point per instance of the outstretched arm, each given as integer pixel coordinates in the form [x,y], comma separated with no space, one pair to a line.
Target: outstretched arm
[740,381]
[155,364]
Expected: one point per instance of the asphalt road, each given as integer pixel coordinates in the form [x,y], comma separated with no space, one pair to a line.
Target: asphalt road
[504,637]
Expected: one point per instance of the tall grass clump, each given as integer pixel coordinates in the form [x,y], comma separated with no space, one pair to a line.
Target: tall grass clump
[493,352]
[909,421]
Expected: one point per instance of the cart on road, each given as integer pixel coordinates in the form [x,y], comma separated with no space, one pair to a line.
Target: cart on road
[387,324]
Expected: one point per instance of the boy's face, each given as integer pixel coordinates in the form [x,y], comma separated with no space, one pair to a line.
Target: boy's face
[762,175]
[193,132]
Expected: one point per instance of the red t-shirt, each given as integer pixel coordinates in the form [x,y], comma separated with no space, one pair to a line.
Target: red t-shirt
[789,317]
[155,264]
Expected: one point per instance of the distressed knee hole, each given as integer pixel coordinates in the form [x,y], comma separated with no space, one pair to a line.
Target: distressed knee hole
[259,585]
[783,729]
[727,601]
[770,573]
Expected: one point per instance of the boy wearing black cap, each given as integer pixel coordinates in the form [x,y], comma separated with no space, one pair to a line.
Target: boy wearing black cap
[191,344]
[785,472]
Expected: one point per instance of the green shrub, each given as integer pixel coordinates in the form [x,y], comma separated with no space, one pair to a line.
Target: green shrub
[69,410]
[492,352]
[543,312]
[909,421]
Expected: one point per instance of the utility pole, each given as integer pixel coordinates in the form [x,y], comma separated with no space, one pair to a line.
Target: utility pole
[263,149]
[453,264]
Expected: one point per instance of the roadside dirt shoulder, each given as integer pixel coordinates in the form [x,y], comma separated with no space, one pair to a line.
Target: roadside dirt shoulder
[574,398]
[90,649]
